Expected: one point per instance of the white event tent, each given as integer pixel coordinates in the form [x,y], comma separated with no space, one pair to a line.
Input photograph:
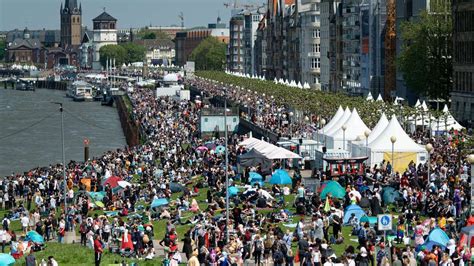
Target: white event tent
[333,121]
[369,97]
[404,148]
[268,150]
[335,127]
[359,148]
[355,128]
[446,122]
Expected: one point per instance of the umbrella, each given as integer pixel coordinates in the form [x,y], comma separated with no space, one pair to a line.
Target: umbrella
[210,145]
[6,259]
[220,149]
[176,187]
[33,236]
[233,191]
[99,204]
[124,184]
[202,148]
[97,196]
[280,177]
[112,181]
[159,202]
[335,189]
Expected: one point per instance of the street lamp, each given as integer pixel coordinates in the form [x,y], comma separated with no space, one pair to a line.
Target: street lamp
[393,139]
[63,154]
[470,159]
[290,115]
[429,148]
[323,123]
[344,127]
[366,134]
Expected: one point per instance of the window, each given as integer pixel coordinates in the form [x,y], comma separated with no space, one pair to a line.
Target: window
[315,19]
[315,79]
[315,63]
[316,48]
[316,33]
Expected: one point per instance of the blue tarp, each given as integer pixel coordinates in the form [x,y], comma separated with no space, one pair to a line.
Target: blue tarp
[280,177]
[353,209]
[159,202]
[33,236]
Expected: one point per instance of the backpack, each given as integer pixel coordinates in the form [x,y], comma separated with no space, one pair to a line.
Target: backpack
[5,223]
[258,245]
[278,257]
[362,233]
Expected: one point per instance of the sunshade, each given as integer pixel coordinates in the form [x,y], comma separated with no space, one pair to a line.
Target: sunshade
[33,236]
[159,202]
[233,191]
[202,148]
[220,149]
[210,145]
[6,259]
[333,188]
[99,204]
[112,181]
[124,184]
[280,177]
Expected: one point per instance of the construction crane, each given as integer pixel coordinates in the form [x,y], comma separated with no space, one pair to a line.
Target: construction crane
[181,17]
[236,5]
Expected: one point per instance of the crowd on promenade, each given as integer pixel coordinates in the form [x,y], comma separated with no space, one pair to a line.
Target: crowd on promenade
[263,228]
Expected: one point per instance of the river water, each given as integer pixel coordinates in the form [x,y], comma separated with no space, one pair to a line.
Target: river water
[30,129]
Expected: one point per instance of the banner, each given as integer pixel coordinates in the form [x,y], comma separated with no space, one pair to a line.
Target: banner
[401,159]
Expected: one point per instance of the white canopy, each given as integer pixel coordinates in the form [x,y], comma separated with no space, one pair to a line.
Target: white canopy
[379,98]
[381,125]
[417,103]
[446,122]
[268,150]
[403,143]
[355,127]
[369,97]
[339,123]
[334,119]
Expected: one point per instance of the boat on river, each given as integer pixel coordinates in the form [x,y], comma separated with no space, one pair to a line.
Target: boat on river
[80,91]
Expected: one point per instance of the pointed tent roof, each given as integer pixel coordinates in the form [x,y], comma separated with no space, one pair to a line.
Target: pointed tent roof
[424,106]
[339,123]
[369,97]
[448,121]
[379,98]
[334,119]
[403,144]
[381,125]
[417,103]
[355,127]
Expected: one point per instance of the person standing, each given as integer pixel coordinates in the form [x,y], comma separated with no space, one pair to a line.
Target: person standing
[30,259]
[98,249]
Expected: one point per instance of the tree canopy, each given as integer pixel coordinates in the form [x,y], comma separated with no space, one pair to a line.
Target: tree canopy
[112,51]
[426,56]
[3,46]
[209,54]
[135,52]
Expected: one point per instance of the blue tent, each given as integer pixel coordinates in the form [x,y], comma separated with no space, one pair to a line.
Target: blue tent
[255,178]
[353,209]
[233,191]
[159,202]
[280,177]
[6,259]
[33,236]
[439,236]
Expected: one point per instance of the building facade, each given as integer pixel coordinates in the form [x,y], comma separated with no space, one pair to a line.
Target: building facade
[104,33]
[235,50]
[260,48]
[186,41]
[71,23]
[25,50]
[251,22]
[462,96]
[310,43]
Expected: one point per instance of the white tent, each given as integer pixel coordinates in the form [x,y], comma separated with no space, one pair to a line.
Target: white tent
[446,122]
[378,129]
[334,120]
[369,97]
[404,148]
[358,148]
[339,123]
[355,127]
[268,150]
[379,98]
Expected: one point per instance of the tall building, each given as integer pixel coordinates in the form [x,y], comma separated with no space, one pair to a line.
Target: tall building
[310,43]
[462,96]
[71,21]
[104,33]
[260,48]
[328,42]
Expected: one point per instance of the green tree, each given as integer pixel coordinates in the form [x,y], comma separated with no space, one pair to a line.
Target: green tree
[209,54]
[134,52]
[149,35]
[3,46]
[112,51]
[426,56]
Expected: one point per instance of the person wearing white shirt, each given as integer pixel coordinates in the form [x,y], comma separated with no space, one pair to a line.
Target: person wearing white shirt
[24,220]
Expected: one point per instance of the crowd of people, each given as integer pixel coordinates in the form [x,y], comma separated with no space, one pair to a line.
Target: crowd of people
[176,164]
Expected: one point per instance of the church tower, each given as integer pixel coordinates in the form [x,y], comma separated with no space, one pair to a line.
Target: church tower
[71,21]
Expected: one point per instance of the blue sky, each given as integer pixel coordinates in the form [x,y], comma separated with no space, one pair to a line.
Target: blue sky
[38,14]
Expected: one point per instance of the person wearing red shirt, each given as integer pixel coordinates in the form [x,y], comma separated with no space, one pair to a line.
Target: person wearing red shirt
[98,249]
